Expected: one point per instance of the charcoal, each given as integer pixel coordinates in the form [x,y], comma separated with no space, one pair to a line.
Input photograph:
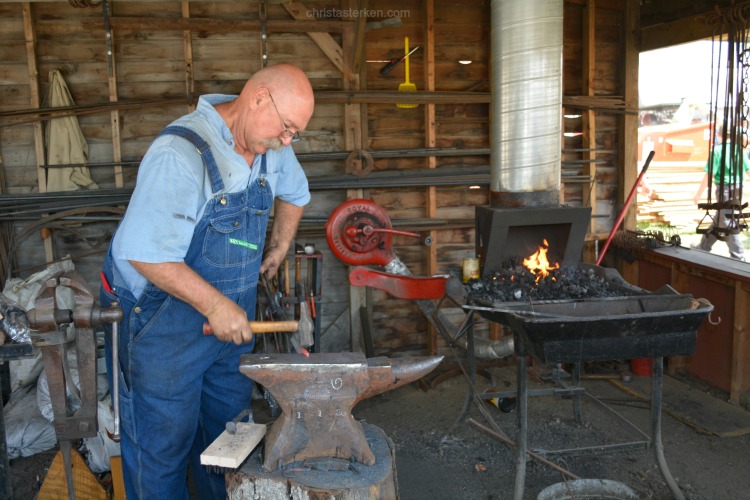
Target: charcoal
[515,283]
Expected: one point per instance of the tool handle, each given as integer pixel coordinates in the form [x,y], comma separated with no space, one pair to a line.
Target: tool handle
[263,327]
[406,64]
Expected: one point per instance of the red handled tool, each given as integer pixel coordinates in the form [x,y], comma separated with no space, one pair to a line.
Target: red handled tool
[392,63]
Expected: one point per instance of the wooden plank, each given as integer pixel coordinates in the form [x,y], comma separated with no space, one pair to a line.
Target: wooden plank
[327,44]
[85,484]
[228,451]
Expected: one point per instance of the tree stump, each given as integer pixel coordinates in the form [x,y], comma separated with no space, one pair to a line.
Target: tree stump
[314,480]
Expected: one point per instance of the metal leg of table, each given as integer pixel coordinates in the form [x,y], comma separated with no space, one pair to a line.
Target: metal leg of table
[522,441]
[471,368]
[657,382]
[577,396]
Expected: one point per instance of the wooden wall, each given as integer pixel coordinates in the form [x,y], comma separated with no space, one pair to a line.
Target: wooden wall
[165,54]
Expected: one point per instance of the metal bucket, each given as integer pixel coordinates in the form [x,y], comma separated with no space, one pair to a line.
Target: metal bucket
[590,489]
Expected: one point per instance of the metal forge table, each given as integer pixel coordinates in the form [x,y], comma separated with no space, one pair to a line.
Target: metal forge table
[656,325]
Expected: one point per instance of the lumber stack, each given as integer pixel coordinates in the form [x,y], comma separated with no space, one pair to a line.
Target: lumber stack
[673,185]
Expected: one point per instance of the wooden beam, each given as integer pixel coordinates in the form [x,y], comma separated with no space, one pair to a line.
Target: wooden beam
[628,171]
[688,29]
[359,298]
[304,25]
[96,2]
[430,142]
[602,104]
[114,116]
[588,67]
[187,44]
[359,41]
[36,102]
[325,41]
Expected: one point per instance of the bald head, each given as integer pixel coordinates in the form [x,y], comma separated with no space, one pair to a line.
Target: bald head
[290,88]
[275,104]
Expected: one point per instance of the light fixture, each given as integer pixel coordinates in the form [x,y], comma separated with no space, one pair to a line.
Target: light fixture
[572,116]
[475,187]
[465,61]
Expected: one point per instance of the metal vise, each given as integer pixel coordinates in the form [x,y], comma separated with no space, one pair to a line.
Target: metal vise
[52,336]
[317,394]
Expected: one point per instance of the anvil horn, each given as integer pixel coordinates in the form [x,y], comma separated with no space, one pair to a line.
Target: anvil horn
[387,374]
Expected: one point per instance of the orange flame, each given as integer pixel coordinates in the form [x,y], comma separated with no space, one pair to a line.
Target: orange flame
[538,264]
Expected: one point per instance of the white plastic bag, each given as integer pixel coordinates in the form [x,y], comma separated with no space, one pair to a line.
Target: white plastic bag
[101,448]
[27,432]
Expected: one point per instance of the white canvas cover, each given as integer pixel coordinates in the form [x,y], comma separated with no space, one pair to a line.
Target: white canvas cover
[65,142]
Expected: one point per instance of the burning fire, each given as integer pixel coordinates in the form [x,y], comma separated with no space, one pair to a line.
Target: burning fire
[538,264]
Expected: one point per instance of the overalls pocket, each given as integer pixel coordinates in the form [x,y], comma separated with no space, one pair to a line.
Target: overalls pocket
[235,240]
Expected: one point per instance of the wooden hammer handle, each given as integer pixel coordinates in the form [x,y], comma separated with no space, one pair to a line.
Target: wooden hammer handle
[263,327]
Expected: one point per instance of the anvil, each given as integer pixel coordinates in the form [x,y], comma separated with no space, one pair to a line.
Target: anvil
[316,395]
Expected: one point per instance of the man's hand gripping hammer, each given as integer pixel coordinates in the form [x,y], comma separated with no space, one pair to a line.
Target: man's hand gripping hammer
[301,330]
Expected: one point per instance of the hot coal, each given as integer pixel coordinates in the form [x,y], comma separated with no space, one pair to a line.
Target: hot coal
[515,283]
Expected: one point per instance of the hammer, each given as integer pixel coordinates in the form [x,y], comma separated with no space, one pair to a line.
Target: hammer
[301,330]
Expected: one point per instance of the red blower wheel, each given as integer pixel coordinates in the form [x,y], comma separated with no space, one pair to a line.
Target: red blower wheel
[359,233]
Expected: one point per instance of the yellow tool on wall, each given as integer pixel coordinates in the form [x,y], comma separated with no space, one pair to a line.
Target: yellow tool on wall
[407,86]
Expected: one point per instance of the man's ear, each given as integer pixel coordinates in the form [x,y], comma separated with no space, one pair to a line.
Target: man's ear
[259,95]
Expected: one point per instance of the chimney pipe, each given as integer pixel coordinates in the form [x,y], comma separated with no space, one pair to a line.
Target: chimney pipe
[526,109]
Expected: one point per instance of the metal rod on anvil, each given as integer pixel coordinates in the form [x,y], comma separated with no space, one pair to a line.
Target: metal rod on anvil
[624,208]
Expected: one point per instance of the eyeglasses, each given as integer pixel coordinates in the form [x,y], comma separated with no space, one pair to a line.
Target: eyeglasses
[286,133]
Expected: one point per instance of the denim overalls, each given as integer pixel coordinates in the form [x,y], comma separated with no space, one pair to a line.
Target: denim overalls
[178,387]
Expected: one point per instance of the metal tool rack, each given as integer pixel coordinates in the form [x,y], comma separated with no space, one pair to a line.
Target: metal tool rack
[574,332]
[307,273]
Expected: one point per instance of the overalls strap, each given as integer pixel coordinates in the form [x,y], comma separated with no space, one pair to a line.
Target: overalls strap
[204,149]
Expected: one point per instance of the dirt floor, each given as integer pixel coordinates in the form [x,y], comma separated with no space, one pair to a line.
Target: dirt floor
[439,457]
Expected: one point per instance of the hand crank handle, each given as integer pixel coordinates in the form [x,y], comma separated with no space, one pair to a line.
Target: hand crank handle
[263,327]
[367,230]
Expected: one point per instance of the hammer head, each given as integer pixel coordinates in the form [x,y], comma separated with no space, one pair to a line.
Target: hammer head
[305,326]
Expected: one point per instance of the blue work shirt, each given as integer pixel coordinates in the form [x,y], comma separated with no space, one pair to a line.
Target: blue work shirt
[173,187]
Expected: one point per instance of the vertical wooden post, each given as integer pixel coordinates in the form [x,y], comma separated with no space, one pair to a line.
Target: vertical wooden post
[36,102]
[430,142]
[353,128]
[114,116]
[629,137]
[187,43]
[588,43]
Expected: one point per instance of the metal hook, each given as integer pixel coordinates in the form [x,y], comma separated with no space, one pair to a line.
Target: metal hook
[711,321]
